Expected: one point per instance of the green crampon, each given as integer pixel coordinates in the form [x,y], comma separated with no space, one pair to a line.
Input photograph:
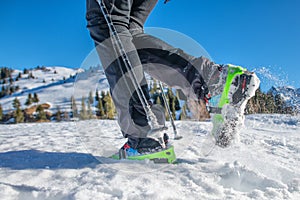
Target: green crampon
[233,71]
[164,156]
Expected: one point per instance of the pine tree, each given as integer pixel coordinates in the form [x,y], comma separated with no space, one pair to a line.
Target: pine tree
[25,71]
[258,101]
[35,98]
[279,103]
[176,101]
[30,76]
[171,99]
[153,89]
[16,103]
[91,98]
[267,103]
[41,113]
[18,113]
[158,101]
[29,100]
[97,95]
[11,80]
[109,106]
[5,72]
[83,111]
[19,116]
[2,94]
[74,107]
[183,114]
[1,112]
[103,95]
[18,77]
[100,108]
[11,89]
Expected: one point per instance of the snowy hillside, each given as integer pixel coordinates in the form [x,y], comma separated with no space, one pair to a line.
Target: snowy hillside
[55,86]
[52,84]
[61,161]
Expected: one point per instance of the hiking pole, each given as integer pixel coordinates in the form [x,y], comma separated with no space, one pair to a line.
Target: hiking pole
[152,120]
[176,136]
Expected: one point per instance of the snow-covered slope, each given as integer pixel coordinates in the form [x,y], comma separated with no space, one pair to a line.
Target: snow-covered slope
[56,85]
[52,84]
[67,161]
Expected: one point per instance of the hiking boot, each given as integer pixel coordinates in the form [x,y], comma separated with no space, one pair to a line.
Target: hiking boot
[144,146]
[243,86]
[239,87]
[126,151]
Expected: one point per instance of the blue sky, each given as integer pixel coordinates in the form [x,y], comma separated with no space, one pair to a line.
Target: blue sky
[263,35]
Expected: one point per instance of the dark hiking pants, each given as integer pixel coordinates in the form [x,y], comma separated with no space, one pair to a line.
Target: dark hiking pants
[194,76]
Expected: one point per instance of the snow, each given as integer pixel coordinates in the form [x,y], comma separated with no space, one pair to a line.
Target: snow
[56,85]
[48,83]
[67,160]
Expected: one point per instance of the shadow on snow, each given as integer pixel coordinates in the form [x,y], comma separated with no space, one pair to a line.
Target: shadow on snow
[34,159]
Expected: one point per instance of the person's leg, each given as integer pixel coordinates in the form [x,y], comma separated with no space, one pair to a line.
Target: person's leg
[131,115]
[194,76]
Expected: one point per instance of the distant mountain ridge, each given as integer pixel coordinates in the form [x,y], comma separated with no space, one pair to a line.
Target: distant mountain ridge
[290,95]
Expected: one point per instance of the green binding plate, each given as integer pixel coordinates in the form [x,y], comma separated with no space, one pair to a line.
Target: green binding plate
[165,156]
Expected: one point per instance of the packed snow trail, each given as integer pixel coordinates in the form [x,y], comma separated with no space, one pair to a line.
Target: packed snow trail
[68,161]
